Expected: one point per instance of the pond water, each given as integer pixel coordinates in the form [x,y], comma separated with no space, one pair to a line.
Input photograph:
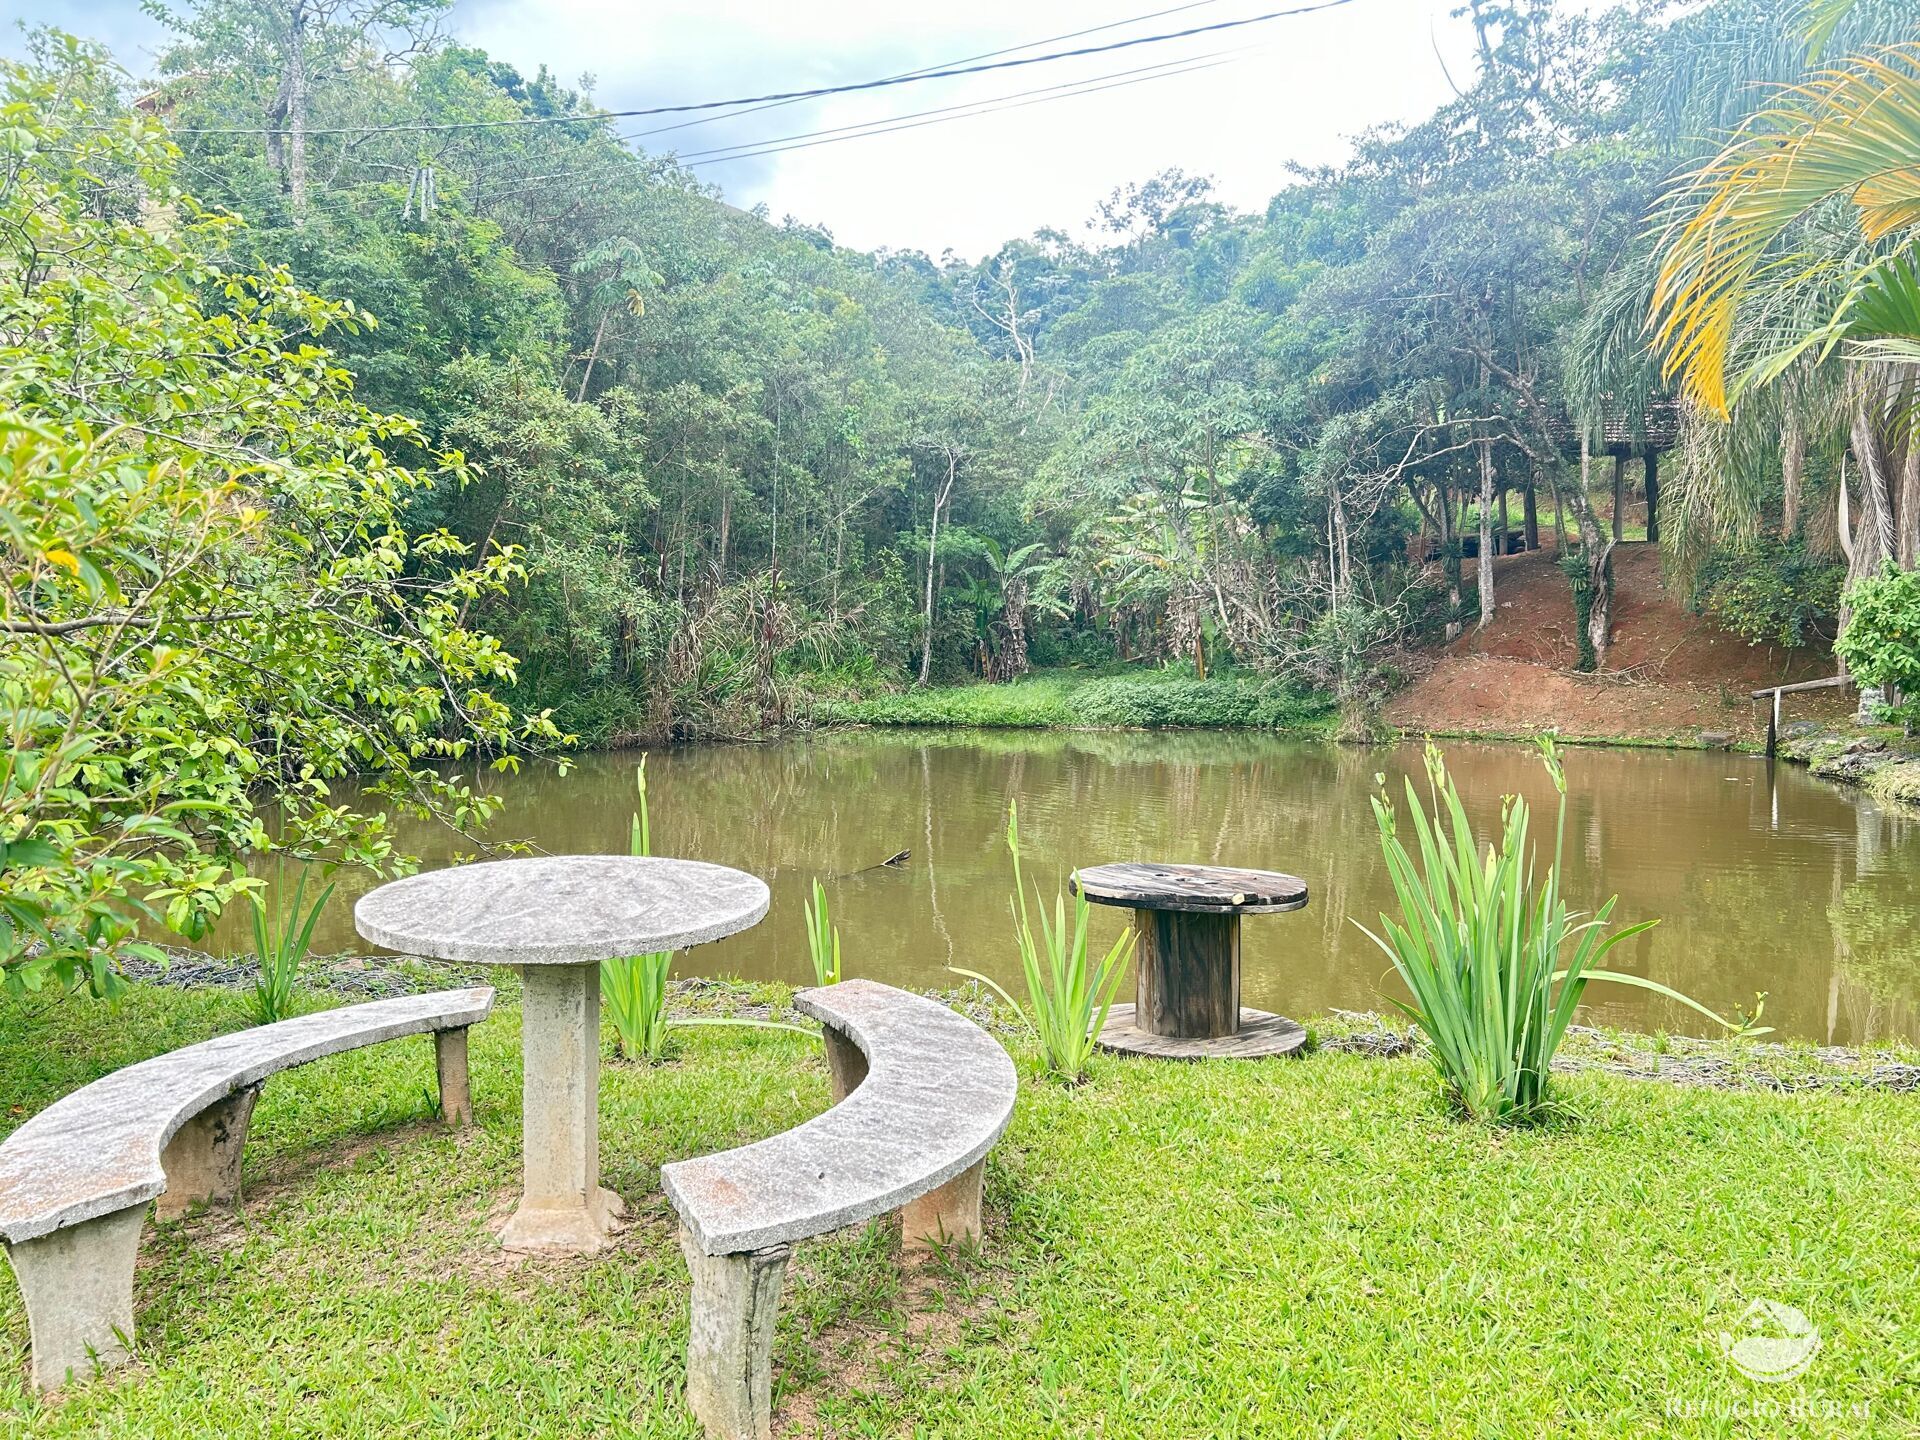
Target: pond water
[1763,878]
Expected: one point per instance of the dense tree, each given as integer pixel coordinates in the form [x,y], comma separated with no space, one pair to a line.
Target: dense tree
[213,601]
[743,463]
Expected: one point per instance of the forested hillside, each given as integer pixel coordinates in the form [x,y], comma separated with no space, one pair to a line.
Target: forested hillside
[743,467]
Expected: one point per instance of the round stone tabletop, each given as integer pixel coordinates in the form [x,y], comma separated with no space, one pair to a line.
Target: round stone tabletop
[560,909]
[1197,889]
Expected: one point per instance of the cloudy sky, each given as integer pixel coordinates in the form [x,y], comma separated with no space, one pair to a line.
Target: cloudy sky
[1239,106]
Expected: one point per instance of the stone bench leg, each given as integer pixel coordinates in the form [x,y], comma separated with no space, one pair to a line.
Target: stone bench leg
[78,1285]
[202,1160]
[730,1339]
[945,1216]
[846,1063]
[450,1059]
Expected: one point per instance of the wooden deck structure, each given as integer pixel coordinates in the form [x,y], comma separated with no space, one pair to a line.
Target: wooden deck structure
[1624,435]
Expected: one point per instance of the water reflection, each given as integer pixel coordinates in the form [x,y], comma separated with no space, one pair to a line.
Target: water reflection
[1764,878]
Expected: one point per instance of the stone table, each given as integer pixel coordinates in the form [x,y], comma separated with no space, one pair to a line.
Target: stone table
[554,919]
[1186,925]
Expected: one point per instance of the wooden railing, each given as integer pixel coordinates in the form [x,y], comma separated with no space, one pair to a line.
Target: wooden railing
[1832,682]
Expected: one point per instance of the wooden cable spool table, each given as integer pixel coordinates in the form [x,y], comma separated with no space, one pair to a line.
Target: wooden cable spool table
[1186,925]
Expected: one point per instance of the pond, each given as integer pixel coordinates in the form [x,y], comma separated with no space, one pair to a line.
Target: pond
[1763,878]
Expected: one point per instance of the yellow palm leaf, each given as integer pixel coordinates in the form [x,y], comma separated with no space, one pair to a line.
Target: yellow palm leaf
[1853,132]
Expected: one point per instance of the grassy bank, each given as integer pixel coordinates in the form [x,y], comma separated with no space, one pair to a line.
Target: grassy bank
[1228,1249]
[1879,758]
[1069,699]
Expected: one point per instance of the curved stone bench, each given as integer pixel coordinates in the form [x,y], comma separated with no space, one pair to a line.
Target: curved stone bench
[76,1178]
[921,1094]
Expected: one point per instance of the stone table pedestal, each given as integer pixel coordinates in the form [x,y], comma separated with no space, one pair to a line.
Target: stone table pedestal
[555,919]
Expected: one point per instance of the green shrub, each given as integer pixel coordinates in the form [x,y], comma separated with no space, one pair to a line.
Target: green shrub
[1881,641]
[1147,700]
[597,716]
[1495,963]
[1770,592]
[1067,997]
[1574,566]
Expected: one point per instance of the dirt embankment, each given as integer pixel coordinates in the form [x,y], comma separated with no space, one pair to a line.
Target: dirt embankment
[1671,675]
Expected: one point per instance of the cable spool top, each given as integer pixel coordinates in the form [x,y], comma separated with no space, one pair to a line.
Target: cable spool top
[1196,889]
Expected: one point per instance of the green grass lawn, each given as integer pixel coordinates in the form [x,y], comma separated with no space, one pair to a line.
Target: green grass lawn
[1135,699]
[1230,1249]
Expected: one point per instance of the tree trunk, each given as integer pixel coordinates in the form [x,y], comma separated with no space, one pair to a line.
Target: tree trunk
[1486,534]
[1875,542]
[1450,559]
[291,103]
[839,564]
[1530,516]
[933,542]
[1907,516]
[1600,583]
[592,355]
[1875,539]
[1014,608]
[1793,473]
[297,149]
[1599,554]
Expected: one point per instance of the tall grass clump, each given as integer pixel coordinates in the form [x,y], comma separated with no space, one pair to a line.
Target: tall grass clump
[823,938]
[634,987]
[1068,996]
[280,944]
[1494,960]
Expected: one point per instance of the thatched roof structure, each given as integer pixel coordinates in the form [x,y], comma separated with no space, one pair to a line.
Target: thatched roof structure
[1624,430]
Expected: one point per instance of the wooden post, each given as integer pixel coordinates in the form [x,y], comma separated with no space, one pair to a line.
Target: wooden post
[1619,491]
[1187,974]
[1776,691]
[1653,494]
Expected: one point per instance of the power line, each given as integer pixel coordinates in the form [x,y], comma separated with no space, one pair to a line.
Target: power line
[914,120]
[907,79]
[1084,86]
[917,124]
[960,60]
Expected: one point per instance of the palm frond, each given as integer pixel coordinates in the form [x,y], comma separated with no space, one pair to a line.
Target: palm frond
[1852,133]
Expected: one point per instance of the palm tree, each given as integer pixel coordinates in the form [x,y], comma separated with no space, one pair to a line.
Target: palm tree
[1793,250]
[1806,220]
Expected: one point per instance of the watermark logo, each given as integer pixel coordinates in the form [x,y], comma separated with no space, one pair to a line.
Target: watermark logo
[1772,1342]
